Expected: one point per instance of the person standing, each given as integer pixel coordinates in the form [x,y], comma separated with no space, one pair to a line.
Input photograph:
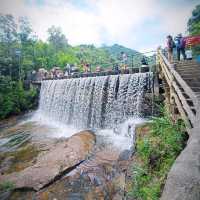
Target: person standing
[170,46]
[124,60]
[180,46]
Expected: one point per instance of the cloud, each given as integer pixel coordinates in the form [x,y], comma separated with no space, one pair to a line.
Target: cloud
[136,24]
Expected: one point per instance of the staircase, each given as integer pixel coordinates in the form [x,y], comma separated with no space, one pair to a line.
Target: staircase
[189,70]
[182,94]
[182,87]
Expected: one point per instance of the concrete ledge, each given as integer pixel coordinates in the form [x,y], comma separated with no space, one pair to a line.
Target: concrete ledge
[183,181]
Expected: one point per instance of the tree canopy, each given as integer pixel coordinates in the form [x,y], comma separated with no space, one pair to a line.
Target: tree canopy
[194,27]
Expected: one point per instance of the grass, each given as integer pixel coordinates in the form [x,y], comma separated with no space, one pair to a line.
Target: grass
[6,186]
[156,151]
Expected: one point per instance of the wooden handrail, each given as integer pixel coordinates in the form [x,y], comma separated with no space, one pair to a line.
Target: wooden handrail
[175,81]
[179,79]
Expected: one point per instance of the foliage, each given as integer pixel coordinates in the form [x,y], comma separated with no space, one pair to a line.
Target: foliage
[14,98]
[57,38]
[156,152]
[193,22]
[6,186]
[194,27]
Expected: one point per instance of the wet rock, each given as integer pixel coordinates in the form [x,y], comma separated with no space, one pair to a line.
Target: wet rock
[18,160]
[125,155]
[98,178]
[5,164]
[5,195]
[60,158]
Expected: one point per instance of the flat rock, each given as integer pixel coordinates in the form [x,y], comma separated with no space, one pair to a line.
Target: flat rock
[61,157]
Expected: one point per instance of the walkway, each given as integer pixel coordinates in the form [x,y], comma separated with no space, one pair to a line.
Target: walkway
[182,89]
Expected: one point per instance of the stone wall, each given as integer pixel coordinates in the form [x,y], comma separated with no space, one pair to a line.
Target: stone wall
[183,181]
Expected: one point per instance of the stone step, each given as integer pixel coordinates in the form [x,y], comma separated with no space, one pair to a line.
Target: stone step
[191,80]
[185,62]
[187,67]
[189,72]
[189,76]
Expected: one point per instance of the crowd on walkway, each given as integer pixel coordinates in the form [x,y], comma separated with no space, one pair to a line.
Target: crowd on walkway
[177,47]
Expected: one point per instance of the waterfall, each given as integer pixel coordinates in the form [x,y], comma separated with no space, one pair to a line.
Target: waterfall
[94,102]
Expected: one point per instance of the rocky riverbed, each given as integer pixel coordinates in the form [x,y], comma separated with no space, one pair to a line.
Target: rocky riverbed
[35,164]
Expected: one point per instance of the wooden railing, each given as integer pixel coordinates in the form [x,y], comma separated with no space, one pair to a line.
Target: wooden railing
[180,92]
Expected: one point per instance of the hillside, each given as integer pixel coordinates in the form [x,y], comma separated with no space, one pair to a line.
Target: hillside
[104,56]
[116,49]
[134,57]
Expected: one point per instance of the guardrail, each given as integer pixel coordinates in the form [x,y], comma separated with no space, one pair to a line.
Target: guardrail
[180,91]
[140,69]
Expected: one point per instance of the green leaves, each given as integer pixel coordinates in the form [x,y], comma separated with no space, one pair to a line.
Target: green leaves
[6,186]
[194,27]
[155,153]
[14,98]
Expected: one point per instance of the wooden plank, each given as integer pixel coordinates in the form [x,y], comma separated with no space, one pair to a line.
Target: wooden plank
[184,103]
[186,88]
[182,112]
[172,77]
[178,78]
[166,71]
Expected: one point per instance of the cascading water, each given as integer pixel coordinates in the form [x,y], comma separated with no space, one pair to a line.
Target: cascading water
[94,102]
[109,105]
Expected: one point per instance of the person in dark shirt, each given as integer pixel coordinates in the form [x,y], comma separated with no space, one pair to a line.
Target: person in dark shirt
[170,46]
[144,61]
[180,46]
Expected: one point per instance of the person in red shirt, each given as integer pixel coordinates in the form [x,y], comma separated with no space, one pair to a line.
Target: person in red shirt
[170,47]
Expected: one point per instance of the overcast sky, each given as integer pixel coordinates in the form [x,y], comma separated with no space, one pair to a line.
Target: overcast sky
[137,24]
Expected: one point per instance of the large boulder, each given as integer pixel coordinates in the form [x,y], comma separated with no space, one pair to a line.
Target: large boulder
[60,158]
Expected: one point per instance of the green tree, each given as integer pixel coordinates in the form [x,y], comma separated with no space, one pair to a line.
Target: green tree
[194,27]
[57,38]
[194,22]
[8,43]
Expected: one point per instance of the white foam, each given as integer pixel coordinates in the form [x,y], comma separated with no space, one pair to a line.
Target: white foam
[55,129]
[121,137]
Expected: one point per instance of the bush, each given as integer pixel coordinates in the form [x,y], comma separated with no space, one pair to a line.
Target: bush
[6,186]
[155,154]
[14,98]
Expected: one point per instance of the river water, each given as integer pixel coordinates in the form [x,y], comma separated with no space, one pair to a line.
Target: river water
[109,106]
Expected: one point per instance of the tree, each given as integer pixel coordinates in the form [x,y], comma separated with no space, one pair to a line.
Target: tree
[8,43]
[194,27]
[8,29]
[57,38]
[25,29]
[194,22]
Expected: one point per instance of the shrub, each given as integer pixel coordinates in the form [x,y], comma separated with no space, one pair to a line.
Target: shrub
[6,186]
[155,154]
[14,98]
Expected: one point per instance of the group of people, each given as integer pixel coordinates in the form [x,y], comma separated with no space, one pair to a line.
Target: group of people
[178,44]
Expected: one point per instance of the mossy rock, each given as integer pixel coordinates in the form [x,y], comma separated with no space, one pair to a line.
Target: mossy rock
[142,129]
[19,160]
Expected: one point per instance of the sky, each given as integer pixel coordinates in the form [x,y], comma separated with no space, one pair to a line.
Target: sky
[138,24]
